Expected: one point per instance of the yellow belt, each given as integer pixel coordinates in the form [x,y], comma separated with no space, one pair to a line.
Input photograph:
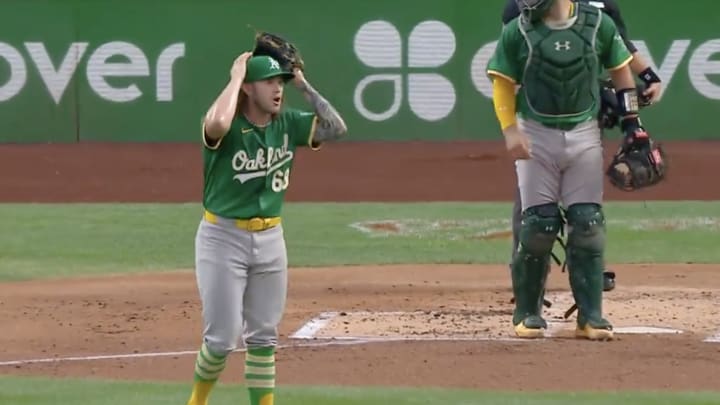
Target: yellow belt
[256,224]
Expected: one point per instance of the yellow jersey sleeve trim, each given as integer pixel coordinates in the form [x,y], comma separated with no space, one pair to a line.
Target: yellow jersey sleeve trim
[206,142]
[504,102]
[504,76]
[622,65]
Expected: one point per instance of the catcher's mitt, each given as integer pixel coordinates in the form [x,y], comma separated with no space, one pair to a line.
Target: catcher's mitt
[637,167]
[280,49]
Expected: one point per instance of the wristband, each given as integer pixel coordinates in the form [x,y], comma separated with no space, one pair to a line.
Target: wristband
[649,76]
[630,124]
[628,102]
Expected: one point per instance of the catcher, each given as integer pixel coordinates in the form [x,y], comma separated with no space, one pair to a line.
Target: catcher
[240,257]
[555,51]
[608,117]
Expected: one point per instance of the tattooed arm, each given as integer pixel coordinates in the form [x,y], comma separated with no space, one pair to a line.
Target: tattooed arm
[330,125]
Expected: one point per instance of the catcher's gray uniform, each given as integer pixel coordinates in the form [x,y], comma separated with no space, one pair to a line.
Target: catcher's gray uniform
[607,119]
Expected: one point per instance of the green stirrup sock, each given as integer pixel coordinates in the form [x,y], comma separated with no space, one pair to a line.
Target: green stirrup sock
[260,375]
[208,367]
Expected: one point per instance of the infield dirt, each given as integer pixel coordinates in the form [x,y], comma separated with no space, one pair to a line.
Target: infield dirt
[161,313]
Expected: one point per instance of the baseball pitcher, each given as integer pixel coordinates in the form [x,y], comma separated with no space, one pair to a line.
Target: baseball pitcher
[555,51]
[249,142]
[607,117]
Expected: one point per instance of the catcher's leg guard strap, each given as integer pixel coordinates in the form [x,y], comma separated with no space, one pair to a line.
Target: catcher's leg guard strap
[540,225]
[516,223]
[585,250]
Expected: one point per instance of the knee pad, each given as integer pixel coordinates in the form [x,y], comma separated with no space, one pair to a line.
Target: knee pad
[586,227]
[540,226]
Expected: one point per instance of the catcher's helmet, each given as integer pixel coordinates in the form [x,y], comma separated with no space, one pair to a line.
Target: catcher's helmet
[533,10]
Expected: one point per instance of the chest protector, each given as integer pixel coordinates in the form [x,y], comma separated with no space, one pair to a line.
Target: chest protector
[563,67]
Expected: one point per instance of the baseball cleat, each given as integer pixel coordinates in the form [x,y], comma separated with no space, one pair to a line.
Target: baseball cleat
[591,333]
[532,327]
[608,280]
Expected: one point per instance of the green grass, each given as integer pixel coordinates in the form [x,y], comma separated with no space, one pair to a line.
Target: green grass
[42,391]
[38,240]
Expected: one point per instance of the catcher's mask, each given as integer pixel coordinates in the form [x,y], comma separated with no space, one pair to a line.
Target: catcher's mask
[533,10]
[638,167]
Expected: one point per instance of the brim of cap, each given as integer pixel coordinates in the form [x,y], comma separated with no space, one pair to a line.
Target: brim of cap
[286,75]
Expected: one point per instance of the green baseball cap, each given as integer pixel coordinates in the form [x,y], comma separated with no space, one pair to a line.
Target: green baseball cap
[264,67]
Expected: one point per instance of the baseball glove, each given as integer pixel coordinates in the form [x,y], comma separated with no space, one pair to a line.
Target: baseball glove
[280,49]
[637,167]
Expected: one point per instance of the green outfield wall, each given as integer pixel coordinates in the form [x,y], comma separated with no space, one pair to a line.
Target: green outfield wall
[406,69]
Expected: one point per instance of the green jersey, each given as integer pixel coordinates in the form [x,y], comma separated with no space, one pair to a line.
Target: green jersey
[558,68]
[247,173]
